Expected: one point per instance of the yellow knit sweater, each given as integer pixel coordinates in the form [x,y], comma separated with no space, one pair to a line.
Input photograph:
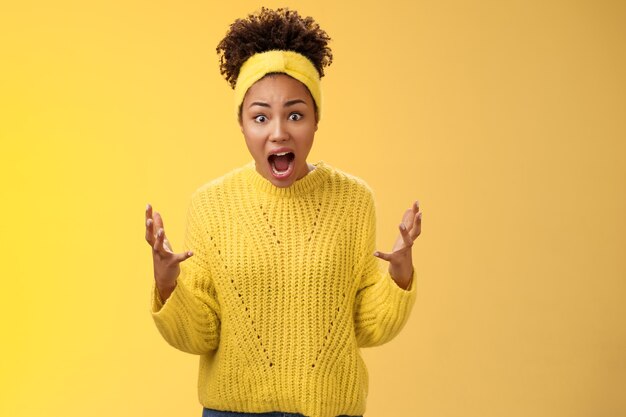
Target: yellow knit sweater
[281,292]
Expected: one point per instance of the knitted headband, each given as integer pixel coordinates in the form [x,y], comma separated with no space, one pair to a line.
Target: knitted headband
[289,62]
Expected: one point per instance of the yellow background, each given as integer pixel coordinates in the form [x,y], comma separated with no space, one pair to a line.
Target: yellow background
[505,118]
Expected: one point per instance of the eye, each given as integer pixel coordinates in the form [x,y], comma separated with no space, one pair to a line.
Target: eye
[260,118]
[295,116]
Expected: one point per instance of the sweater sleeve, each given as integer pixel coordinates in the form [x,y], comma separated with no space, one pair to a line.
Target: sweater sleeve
[381,306]
[189,319]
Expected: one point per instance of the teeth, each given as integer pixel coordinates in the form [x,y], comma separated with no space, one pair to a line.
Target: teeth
[281,154]
[278,172]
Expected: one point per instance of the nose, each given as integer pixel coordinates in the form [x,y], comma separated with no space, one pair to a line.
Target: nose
[278,132]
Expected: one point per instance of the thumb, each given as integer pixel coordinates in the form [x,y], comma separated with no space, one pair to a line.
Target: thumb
[180,257]
[382,255]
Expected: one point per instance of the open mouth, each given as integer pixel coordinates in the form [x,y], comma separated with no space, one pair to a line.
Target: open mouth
[282,164]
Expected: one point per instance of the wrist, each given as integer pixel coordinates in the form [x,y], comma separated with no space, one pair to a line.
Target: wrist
[165,289]
[402,276]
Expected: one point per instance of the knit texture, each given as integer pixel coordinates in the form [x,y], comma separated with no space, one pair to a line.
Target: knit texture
[281,292]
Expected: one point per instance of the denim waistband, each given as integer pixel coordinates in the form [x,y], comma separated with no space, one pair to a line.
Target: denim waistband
[209,412]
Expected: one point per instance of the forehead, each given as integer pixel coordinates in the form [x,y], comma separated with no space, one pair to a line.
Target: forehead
[278,87]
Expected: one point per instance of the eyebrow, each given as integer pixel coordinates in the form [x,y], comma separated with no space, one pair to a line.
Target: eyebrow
[287,103]
[292,102]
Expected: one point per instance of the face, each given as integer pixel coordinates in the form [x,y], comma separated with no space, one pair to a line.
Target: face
[278,121]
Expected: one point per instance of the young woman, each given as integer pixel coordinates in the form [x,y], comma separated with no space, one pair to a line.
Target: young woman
[278,285]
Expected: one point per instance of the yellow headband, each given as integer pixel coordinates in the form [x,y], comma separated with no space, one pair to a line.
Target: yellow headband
[291,63]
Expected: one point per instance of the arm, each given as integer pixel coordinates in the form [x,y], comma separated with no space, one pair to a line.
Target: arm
[187,312]
[382,306]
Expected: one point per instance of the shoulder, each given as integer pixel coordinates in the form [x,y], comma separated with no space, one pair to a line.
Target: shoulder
[225,181]
[212,195]
[350,184]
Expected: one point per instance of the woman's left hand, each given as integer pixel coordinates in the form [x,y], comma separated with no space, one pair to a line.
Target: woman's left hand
[401,259]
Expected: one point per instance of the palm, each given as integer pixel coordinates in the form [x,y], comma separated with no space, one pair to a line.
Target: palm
[400,259]
[165,261]
[413,225]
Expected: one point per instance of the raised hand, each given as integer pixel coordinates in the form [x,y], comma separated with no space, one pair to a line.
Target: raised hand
[165,261]
[401,258]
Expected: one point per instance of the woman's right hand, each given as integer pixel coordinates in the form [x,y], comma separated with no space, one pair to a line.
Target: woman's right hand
[165,261]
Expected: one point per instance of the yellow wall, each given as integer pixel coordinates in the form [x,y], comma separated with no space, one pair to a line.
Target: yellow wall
[505,118]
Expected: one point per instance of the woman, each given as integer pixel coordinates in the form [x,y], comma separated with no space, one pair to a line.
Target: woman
[278,286]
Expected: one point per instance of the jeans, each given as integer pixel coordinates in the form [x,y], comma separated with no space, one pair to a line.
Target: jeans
[208,412]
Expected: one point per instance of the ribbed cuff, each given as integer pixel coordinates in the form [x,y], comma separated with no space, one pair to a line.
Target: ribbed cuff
[180,300]
[157,303]
[391,305]
[397,295]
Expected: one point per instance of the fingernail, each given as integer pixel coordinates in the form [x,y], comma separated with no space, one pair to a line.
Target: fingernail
[160,232]
[402,226]
[376,253]
[147,206]
[189,253]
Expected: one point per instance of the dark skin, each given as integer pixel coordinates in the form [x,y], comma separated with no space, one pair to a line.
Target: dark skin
[401,257]
[166,263]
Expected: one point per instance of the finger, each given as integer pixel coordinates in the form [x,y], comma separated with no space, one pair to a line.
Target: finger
[407,218]
[150,231]
[167,245]
[180,257]
[417,226]
[406,238]
[409,215]
[382,255]
[149,224]
[148,211]
[158,220]
[158,243]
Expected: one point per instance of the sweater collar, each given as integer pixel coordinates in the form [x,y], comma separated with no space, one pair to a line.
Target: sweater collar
[304,185]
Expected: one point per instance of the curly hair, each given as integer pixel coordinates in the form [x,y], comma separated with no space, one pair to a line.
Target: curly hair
[267,30]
